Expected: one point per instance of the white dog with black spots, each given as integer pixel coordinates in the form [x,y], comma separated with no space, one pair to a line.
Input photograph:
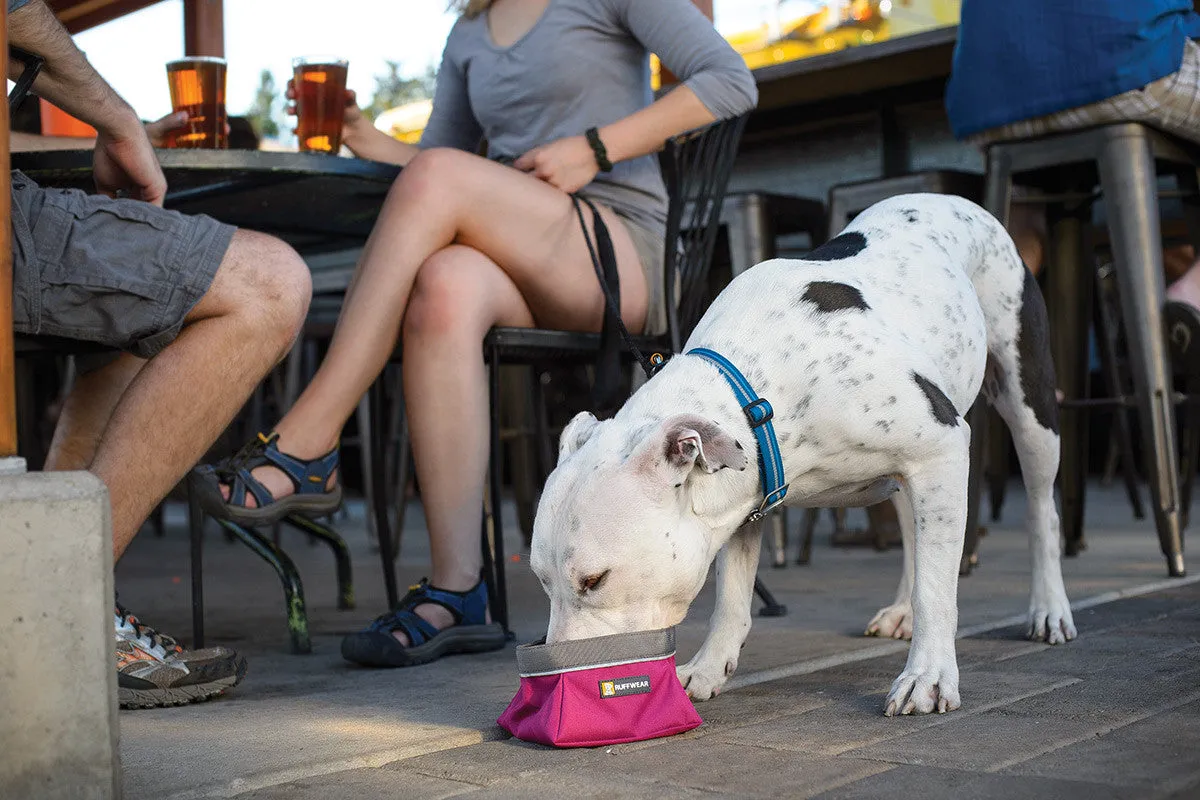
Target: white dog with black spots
[870,350]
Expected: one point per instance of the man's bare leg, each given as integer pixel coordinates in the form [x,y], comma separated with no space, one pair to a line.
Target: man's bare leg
[171,409]
[86,412]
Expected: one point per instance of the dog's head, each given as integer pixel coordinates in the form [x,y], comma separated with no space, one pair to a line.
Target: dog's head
[629,522]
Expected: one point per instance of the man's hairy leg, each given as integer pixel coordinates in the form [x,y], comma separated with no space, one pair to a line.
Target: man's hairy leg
[181,400]
[86,412]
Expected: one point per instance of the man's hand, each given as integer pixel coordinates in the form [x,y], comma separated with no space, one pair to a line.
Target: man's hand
[568,164]
[125,162]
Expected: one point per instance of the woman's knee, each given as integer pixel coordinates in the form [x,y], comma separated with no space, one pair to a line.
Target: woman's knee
[432,173]
[448,299]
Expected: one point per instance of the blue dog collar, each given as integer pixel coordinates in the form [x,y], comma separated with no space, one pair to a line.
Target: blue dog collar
[759,414]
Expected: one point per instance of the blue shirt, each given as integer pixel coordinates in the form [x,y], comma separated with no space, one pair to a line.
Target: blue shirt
[1018,59]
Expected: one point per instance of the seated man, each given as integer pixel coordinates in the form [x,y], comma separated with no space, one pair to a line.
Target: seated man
[1033,67]
[202,312]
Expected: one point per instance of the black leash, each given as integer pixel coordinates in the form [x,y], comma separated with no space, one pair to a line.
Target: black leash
[605,394]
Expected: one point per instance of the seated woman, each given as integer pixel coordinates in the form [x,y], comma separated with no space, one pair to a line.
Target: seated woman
[464,243]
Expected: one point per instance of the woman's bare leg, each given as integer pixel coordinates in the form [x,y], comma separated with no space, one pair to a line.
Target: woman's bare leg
[459,294]
[443,197]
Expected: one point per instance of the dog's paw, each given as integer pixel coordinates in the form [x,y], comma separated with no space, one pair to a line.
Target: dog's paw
[703,679]
[1050,619]
[923,692]
[895,622]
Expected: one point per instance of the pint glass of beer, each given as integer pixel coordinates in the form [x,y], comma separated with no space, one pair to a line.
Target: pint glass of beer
[320,84]
[198,87]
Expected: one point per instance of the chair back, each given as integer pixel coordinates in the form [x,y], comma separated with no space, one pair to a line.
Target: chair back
[33,65]
[696,168]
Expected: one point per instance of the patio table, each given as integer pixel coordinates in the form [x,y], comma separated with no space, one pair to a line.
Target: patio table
[314,202]
[874,78]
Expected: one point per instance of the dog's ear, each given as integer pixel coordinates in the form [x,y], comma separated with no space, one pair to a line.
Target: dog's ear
[686,441]
[578,430]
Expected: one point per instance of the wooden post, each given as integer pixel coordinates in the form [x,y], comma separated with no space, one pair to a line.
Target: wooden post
[204,28]
[8,386]
[666,78]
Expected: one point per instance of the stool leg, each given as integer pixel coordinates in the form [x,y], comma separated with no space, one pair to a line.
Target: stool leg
[493,550]
[375,416]
[293,589]
[997,458]
[402,471]
[362,416]
[1070,310]
[1127,176]
[196,533]
[751,235]
[779,522]
[1106,342]
[341,555]
[977,419]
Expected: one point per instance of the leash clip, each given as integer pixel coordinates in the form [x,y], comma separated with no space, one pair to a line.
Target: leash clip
[768,504]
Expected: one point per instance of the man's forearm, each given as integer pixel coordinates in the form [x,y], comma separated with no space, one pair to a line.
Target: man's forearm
[67,79]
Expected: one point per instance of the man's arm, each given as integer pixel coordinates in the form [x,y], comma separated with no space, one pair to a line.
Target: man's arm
[124,158]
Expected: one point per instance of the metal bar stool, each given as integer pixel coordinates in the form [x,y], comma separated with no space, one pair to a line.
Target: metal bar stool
[1123,160]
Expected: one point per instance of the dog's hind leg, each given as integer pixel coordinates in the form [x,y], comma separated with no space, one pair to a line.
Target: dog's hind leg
[896,620]
[737,564]
[1020,383]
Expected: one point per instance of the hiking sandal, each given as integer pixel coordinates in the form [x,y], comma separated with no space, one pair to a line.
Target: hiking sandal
[470,633]
[310,478]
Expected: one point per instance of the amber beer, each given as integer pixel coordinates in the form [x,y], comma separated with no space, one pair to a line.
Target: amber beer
[198,87]
[320,85]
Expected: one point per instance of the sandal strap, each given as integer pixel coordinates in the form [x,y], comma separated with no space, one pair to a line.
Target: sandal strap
[469,606]
[412,625]
[308,477]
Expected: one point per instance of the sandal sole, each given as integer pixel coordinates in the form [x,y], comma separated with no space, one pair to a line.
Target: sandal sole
[382,650]
[308,505]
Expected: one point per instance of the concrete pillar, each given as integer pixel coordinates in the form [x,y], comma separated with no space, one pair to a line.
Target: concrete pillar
[58,683]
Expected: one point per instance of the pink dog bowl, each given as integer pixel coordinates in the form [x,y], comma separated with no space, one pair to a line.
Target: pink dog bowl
[593,692]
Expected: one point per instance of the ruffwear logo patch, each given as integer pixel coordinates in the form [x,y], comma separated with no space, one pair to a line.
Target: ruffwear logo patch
[639,684]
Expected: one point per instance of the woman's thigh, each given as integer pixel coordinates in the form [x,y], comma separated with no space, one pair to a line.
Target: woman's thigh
[531,230]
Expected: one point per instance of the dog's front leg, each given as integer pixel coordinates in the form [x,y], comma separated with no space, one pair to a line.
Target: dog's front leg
[737,564]
[938,492]
[895,621]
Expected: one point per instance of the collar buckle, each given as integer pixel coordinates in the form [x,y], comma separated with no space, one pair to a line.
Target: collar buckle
[758,412]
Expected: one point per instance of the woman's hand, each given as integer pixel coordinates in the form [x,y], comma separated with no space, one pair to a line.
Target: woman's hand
[568,164]
[353,119]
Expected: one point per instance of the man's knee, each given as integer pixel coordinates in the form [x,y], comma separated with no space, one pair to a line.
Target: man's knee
[266,280]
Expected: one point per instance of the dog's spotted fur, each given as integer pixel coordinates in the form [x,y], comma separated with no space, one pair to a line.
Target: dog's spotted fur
[906,313]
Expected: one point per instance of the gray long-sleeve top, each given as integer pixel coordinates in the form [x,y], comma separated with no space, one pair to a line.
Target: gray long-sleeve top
[584,63]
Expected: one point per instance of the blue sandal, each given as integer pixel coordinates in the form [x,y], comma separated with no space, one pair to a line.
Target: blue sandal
[309,477]
[470,633]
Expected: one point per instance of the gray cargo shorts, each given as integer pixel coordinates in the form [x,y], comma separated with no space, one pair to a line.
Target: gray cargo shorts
[121,273]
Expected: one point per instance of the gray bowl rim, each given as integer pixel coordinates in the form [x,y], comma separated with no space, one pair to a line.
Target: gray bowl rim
[537,658]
